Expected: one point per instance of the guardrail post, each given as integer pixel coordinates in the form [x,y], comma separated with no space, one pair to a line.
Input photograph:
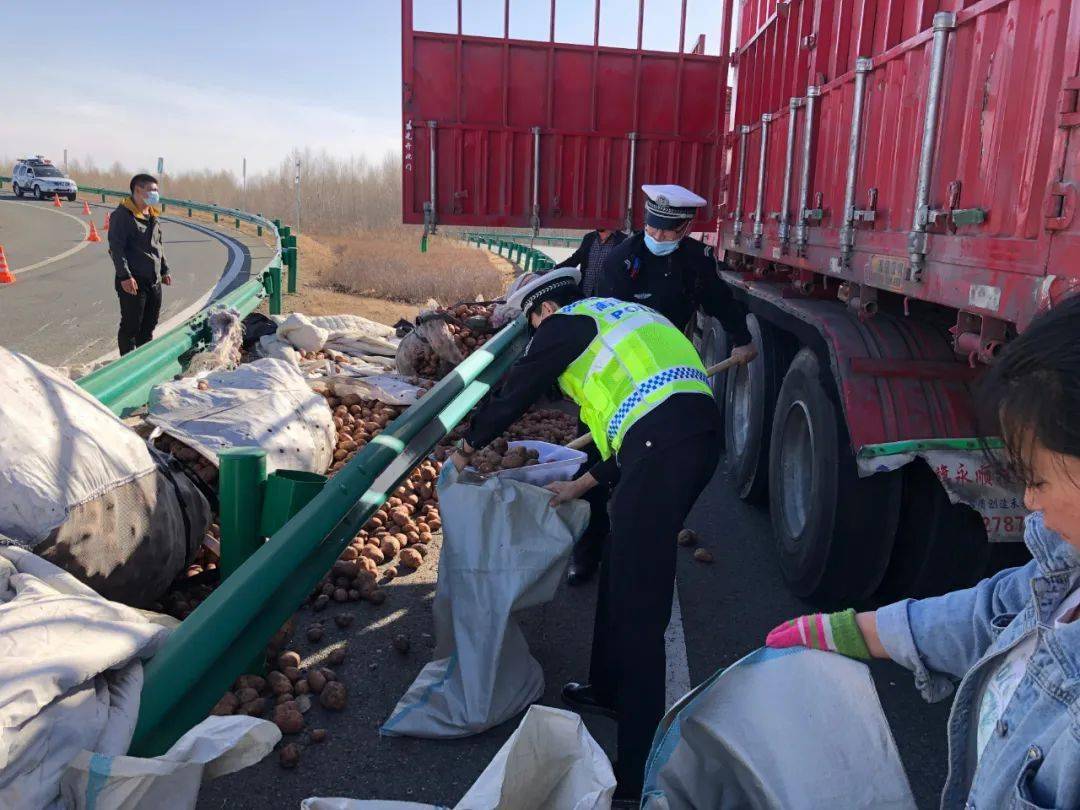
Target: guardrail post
[103,198]
[258,227]
[294,262]
[237,223]
[243,474]
[274,282]
[215,216]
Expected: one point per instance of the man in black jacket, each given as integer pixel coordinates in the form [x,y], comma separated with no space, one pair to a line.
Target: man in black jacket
[138,255]
[590,257]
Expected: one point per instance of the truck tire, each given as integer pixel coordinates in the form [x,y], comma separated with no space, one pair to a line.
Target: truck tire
[750,393]
[834,531]
[37,193]
[713,349]
[18,191]
[940,546]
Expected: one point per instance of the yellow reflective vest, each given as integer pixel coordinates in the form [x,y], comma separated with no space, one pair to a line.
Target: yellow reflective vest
[636,361]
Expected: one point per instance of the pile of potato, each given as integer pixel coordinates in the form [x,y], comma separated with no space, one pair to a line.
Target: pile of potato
[193,462]
[471,331]
[538,424]
[287,694]
[356,425]
[499,455]
[476,329]
[544,425]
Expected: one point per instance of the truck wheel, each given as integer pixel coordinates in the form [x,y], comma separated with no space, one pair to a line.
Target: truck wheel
[834,531]
[714,348]
[940,546]
[18,191]
[72,197]
[37,192]
[749,398]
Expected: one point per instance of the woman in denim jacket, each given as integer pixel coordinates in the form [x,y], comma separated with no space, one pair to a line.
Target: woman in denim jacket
[1012,641]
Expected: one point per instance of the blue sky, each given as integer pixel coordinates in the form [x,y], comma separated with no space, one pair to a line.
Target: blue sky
[205,84]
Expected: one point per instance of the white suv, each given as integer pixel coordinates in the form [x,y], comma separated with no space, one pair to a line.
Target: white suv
[41,178]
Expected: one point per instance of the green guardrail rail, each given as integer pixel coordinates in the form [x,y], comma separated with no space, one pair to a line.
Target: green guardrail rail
[218,641]
[124,384]
[514,248]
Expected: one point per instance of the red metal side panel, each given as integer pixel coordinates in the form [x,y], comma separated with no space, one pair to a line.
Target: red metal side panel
[1006,143]
[485,96]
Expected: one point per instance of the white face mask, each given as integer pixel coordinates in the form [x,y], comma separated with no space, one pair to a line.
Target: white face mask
[152,198]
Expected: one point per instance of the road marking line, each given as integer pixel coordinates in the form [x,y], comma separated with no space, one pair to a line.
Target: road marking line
[236,260]
[57,257]
[678,668]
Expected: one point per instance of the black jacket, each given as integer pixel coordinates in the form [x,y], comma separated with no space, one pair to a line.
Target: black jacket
[135,244]
[674,285]
[580,256]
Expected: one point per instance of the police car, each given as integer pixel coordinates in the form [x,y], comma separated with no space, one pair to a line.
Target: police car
[41,178]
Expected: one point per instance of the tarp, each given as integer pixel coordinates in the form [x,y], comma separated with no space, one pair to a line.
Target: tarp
[550,762]
[504,549]
[790,729]
[266,404]
[70,675]
[59,447]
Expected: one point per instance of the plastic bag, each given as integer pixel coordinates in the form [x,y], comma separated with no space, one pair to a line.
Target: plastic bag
[215,747]
[787,729]
[550,762]
[504,549]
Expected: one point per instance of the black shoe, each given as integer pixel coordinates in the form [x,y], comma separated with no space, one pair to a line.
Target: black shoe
[579,697]
[580,572]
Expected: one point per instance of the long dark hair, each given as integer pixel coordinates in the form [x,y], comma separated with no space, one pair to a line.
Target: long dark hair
[1031,394]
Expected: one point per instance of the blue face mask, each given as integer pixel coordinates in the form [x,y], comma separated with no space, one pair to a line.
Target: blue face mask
[153,198]
[660,248]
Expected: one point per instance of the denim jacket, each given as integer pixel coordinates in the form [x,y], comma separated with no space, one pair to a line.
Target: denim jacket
[1032,759]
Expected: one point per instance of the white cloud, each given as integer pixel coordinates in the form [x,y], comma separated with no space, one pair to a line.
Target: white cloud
[112,115]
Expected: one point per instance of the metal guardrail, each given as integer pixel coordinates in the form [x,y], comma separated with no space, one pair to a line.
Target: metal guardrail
[124,384]
[219,640]
[528,258]
[224,634]
[565,241]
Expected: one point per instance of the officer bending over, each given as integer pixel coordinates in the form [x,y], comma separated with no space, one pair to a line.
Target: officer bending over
[644,396]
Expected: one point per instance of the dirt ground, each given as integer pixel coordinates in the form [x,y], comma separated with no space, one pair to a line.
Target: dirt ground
[313,297]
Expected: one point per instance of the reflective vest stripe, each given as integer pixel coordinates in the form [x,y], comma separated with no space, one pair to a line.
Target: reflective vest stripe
[654,383]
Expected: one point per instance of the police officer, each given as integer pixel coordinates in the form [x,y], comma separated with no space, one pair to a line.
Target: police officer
[644,396]
[674,274]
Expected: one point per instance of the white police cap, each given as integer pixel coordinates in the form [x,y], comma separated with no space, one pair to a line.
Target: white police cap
[527,294]
[669,206]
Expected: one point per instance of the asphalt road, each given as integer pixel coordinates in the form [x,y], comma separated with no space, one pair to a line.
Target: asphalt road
[727,608]
[62,309]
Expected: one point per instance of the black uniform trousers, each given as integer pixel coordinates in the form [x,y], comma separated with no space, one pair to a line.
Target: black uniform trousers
[138,314]
[658,485]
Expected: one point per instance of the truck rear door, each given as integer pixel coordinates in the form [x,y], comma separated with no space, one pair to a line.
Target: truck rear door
[504,130]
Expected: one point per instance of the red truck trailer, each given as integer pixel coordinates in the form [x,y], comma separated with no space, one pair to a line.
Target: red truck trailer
[893,186]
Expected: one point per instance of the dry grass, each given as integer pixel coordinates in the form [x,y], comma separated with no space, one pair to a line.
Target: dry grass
[387,263]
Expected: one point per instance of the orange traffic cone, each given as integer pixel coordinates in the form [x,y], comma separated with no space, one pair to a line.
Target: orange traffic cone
[56,201]
[105,222]
[6,276]
[94,236]
[85,208]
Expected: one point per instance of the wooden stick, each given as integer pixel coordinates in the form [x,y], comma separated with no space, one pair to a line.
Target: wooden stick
[585,439]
